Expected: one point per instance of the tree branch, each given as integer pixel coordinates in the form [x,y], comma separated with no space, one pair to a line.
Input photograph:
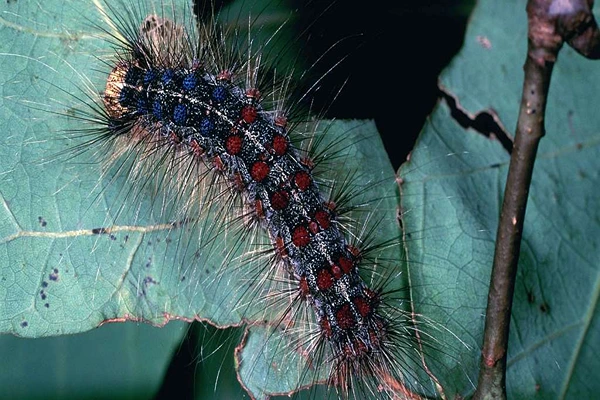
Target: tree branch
[550,24]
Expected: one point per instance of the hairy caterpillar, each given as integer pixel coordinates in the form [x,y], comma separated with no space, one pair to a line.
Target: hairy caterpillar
[147,283]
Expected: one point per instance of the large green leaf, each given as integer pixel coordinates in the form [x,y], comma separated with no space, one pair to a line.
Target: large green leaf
[451,195]
[116,361]
[62,273]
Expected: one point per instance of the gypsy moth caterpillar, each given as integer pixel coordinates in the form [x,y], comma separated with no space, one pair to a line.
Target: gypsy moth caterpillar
[152,295]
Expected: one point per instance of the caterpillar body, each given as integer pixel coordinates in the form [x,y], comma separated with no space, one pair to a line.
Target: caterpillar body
[189,108]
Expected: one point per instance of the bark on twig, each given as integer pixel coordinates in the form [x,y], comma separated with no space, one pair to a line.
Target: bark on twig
[551,23]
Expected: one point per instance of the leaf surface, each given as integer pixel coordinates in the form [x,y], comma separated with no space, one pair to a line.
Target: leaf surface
[451,198]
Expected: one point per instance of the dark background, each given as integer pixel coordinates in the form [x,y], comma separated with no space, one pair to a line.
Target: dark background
[392,67]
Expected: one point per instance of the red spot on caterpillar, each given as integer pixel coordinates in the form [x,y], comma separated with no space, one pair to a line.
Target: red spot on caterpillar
[302,180]
[249,114]
[324,280]
[323,219]
[346,265]
[362,306]
[344,317]
[233,145]
[280,145]
[300,236]
[279,200]
[303,285]
[259,171]
[225,75]
[253,93]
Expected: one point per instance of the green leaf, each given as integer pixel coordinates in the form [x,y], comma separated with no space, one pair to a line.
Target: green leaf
[79,249]
[116,361]
[148,269]
[62,271]
[451,197]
